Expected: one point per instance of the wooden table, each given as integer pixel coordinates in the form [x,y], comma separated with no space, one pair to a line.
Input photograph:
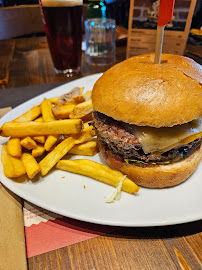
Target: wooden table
[30,63]
[168,247]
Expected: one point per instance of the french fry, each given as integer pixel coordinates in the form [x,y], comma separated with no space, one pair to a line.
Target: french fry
[82,109]
[8,167]
[86,125]
[68,98]
[63,112]
[50,142]
[1,133]
[37,152]
[87,95]
[78,99]
[88,117]
[53,100]
[46,110]
[30,164]
[14,147]
[29,115]
[69,126]
[40,139]
[39,119]
[99,172]
[28,143]
[89,148]
[73,97]
[47,114]
[86,134]
[49,161]
[12,166]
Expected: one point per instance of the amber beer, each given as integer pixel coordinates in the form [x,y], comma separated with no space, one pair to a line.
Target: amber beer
[63,26]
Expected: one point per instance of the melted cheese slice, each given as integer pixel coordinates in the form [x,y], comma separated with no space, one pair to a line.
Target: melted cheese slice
[160,140]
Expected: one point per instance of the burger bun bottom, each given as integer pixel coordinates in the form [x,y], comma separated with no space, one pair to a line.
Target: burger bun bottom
[159,176]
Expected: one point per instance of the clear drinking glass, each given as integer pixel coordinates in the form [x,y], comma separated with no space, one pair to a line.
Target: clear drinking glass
[100,41]
[63,26]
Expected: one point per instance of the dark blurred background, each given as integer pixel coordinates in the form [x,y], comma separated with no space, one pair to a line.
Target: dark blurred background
[116,9]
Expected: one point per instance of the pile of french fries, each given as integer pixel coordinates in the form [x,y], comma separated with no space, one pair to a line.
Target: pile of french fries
[42,136]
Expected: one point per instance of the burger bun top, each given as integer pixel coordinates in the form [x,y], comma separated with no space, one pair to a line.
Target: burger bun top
[137,91]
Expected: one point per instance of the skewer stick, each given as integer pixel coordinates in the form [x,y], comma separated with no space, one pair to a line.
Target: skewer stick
[165,15]
[159,44]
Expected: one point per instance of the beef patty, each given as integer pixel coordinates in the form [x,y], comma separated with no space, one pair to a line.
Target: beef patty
[118,137]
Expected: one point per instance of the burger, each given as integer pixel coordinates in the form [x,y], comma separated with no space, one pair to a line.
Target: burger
[147,118]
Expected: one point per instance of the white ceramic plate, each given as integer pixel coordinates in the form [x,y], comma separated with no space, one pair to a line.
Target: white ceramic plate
[64,193]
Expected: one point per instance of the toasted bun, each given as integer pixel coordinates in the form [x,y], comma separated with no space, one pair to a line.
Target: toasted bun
[159,176]
[137,91]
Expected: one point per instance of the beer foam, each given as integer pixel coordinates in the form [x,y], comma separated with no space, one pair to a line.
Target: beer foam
[61,3]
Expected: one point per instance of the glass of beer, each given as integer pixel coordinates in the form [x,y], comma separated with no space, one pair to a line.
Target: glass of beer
[62,21]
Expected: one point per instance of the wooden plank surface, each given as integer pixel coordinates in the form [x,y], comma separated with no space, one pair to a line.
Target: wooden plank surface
[20,20]
[6,57]
[131,248]
[32,64]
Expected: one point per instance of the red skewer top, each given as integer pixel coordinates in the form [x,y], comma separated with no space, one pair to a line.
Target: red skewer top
[165,12]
